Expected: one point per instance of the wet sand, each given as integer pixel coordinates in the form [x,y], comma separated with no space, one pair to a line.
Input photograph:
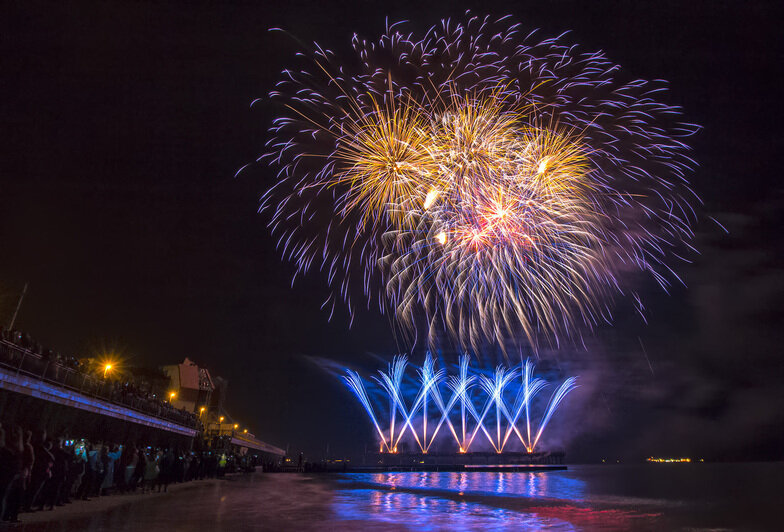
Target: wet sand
[241,502]
[79,508]
[287,501]
[283,502]
[617,498]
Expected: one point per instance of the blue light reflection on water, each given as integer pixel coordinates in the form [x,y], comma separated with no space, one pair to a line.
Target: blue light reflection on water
[550,485]
[426,500]
[423,512]
[592,497]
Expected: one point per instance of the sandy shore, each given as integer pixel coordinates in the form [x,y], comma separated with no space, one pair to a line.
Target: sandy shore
[639,497]
[80,508]
[259,501]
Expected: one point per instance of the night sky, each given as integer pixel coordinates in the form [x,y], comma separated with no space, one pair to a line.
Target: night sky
[123,124]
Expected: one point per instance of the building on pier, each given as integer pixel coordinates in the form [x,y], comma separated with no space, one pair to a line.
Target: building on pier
[196,390]
[192,385]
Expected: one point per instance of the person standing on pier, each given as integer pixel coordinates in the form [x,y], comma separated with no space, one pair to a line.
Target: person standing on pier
[10,474]
[42,471]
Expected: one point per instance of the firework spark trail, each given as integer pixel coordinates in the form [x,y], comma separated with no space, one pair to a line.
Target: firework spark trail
[460,386]
[479,420]
[494,402]
[445,409]
[525,395]
[477,181]
[495,388]
[555,400]
[354,382]
[429,379]
[390,382]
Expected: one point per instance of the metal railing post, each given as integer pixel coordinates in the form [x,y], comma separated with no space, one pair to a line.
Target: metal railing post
[21,361]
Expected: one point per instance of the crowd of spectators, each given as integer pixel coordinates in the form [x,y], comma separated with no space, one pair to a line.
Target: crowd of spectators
[71,372]
[25,341]
[37,472]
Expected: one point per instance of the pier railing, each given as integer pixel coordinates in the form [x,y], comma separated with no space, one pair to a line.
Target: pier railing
[21,361]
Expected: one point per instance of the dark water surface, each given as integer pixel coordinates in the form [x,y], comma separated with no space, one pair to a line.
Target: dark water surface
[611,497]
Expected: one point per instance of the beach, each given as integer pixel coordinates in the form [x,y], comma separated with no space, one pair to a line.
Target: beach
[618,497]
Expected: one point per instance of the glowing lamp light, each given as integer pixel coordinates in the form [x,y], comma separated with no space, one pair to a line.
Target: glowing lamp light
[244,431]
[172,395]
[236,426]
[106,369]
[221,419]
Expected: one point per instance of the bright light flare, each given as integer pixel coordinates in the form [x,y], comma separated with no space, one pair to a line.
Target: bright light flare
[432,196]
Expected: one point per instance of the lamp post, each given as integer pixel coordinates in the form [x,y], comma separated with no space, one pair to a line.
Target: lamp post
[106,369]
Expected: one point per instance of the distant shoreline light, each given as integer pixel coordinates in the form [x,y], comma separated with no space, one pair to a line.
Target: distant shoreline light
[670,460]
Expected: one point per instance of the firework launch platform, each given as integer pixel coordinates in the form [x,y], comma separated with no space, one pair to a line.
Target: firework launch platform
[465,462]
[456,468]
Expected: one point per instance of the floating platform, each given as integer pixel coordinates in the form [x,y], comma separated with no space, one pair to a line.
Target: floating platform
[459,468]
[474,461]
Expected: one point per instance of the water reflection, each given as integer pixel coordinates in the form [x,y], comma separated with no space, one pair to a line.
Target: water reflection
[474,500]
[425,512]
[550,485]
[715,496]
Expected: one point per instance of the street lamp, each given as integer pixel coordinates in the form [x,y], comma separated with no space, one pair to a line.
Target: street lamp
[221,419]
[201,410]
[171,396]
[106,369]
[236,426]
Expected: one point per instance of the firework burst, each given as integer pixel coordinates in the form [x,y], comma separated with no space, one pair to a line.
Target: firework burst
[476,181]
[474,410]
